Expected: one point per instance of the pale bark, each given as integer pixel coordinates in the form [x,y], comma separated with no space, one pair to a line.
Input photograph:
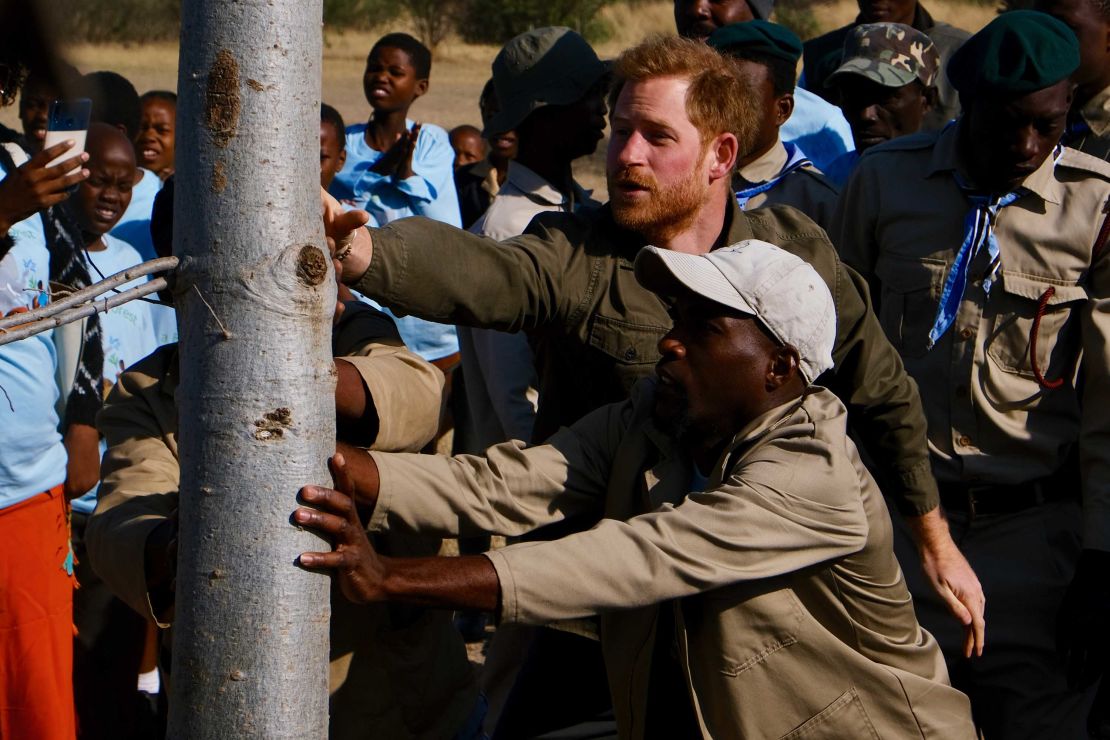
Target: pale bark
[255,294]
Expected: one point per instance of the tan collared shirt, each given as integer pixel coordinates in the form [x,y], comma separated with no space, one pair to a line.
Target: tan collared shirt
[806,188]
[900,221]
[1096,114]
[790,606]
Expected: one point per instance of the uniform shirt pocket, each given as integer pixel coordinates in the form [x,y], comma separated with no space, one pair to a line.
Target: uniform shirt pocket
[1011,312]
[910,293]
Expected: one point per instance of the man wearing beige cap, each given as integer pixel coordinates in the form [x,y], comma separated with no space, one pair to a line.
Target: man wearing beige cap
[743,570]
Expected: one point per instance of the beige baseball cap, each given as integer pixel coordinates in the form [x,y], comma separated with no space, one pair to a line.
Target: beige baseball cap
[782,291]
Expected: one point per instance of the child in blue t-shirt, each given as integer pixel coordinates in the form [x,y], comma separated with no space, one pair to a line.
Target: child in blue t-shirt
[396,168]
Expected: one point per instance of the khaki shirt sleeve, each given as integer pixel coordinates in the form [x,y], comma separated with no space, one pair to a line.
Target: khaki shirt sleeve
[791,506]
[407,392]
[439,273]
[510,490]
[1094,449]
[138,489]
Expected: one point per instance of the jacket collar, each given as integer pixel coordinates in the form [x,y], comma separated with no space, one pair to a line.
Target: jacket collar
[946,159]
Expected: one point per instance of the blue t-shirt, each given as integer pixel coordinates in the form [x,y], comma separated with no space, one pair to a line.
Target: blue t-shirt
[818,128]
[429,192]
[127,331]
[134,225]
[32,457]
[842,168]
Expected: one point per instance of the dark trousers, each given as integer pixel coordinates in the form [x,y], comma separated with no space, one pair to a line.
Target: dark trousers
[107,652]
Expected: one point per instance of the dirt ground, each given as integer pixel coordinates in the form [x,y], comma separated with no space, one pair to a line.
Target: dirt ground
[459,70]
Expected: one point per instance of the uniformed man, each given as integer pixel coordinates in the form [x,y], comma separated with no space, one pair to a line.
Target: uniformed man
[1089,122]
[822,55]
[743,571]
[983,246]
[774,172]
[885,86]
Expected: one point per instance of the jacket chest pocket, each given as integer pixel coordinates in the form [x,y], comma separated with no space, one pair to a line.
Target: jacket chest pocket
[1012,316]
[741,626]
[910,292]
[625,342]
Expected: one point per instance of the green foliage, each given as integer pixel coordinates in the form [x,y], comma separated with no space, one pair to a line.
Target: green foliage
[797,15]
[114,20]
[497,21]
[359,15]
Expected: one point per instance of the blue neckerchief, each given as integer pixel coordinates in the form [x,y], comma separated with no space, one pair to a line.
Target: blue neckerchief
[795,159]
[978,231]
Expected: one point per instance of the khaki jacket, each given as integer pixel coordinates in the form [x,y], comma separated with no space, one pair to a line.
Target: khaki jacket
[568,280]
[805,189]
[395,672]
[900,222]
[792,617]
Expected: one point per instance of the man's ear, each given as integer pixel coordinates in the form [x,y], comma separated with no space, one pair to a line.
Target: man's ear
[784,365]
[931,96]
[784,108]
[421,87]
[723,151]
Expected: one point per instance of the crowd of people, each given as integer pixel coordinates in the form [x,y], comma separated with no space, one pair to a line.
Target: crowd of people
[794,432]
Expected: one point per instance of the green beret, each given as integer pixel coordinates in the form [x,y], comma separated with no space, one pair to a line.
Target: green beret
[758,36]
[1018,52]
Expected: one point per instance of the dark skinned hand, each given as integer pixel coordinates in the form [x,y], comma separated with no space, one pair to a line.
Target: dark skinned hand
[397,160]
[34,186]
[1081,625]
[353,560]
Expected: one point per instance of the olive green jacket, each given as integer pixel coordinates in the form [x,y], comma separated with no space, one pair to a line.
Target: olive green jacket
[568,281]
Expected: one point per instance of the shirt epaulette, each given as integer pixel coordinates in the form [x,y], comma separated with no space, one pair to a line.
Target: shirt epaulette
[1078,160]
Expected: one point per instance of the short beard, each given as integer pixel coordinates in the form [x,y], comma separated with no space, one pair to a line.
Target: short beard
[669,211]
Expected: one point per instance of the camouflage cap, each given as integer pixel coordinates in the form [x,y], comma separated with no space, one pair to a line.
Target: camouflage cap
[890,54]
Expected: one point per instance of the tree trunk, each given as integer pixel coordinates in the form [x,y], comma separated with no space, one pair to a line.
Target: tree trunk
[255,294]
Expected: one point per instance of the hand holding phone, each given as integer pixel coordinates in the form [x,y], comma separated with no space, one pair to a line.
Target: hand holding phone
[68,120]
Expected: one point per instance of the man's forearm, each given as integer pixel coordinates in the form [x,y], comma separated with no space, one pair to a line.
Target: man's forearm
[468,582]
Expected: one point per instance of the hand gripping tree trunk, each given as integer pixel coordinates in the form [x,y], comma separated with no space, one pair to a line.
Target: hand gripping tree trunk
[255,296]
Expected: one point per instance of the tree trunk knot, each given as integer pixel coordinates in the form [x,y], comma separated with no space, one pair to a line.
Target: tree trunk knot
[312,265]
[273,424]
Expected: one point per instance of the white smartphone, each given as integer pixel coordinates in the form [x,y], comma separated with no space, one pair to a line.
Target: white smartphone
[68,119]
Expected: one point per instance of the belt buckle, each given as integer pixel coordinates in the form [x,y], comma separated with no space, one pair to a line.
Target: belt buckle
[972,498]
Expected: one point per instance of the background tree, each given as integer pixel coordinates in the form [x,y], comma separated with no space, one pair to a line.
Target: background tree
[255,294]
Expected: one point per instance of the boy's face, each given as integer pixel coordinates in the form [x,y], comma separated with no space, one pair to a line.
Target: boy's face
[154,146]
[469,148]
[105,195]
[390,82]
[332,155]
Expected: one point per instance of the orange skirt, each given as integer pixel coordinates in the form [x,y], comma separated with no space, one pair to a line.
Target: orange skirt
[36,620]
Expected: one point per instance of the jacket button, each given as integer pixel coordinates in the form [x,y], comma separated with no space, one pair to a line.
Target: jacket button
[964,441]
[965,333]
[630,353]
